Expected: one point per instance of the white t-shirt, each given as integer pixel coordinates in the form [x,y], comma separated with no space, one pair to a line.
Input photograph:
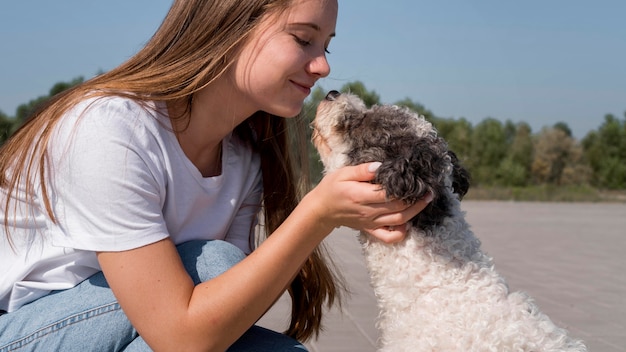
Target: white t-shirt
[120,180]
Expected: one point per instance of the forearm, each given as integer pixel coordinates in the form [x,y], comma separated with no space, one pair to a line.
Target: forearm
[222,309]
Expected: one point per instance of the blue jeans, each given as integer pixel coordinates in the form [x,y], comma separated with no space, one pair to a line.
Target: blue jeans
[88,317]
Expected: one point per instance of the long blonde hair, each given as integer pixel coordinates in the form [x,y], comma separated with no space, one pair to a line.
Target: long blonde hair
[194,45]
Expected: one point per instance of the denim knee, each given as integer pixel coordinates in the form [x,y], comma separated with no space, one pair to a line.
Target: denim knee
[69,320]
[260,339]
[257,339]
[205,260]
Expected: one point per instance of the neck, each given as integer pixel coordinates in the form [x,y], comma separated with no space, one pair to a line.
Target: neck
[215,112]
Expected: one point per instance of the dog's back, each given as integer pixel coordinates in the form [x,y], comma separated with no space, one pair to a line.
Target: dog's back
[440,292]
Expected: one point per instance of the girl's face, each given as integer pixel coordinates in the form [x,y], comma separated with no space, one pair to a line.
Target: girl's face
[285,56]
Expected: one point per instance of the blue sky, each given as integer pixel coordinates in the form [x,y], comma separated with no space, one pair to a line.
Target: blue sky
[536,61]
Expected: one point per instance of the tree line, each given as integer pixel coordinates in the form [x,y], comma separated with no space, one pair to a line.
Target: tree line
[503,154]
[508,154]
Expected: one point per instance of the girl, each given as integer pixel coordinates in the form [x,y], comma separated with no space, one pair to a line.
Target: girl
[130,201]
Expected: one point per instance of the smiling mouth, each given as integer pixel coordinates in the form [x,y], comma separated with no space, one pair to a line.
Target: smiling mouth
[304,88]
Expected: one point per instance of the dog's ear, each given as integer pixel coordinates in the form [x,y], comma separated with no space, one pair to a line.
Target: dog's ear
[460,176]
[406,172]
[415,169]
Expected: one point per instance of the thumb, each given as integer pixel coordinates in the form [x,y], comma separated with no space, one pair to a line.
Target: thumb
[363,172]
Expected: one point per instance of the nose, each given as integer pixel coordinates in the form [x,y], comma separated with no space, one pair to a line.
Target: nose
[332,95]
[319,66]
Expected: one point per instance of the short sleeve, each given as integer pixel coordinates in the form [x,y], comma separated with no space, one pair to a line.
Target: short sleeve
[108,182]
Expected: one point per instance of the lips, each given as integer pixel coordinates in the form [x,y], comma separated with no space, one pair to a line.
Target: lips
[303,87]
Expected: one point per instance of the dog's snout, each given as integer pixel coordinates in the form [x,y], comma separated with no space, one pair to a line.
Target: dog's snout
[332,95]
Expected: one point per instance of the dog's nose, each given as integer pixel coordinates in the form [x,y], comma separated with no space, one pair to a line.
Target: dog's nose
[332,95]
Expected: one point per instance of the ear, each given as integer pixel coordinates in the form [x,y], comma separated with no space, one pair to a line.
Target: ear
[460,176]
[419,168]
[410,171]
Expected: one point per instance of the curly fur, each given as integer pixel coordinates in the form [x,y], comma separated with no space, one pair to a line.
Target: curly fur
[436,290]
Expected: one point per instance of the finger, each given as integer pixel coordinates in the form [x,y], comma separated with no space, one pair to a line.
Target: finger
[389,234]
[363,172]
[398,213]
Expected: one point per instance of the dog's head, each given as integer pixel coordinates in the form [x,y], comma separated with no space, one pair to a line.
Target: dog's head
[415,160]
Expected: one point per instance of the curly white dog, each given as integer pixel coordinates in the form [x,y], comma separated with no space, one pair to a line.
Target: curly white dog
[436,290]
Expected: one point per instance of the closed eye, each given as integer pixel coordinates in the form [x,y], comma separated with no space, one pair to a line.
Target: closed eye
[305,43]
[301,41]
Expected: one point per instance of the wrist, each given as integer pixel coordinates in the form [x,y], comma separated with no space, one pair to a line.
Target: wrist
[317,209]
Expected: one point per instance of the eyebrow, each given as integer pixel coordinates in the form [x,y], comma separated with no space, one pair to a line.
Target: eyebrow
[310,25]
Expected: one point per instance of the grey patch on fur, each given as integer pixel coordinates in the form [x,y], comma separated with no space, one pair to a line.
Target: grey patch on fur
[412,165]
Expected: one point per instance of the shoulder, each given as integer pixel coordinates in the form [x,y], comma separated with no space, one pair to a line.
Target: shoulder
[103,121]
[110,134]
[117,113]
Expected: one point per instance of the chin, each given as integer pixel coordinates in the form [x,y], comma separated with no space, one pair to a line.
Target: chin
[286,111]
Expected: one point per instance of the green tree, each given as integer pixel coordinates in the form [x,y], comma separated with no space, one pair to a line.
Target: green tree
[458,134]
[521,150]
[6,125]
[510,130]
[605,150]
[563,127]
[515,168]
[24,111]
[488,150]
[62,86]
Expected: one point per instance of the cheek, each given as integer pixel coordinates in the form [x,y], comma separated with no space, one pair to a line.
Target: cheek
[280,58]
[254,68]
[261,74]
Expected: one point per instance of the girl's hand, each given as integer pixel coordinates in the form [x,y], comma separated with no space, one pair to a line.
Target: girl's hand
[396,233]
[347,198]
